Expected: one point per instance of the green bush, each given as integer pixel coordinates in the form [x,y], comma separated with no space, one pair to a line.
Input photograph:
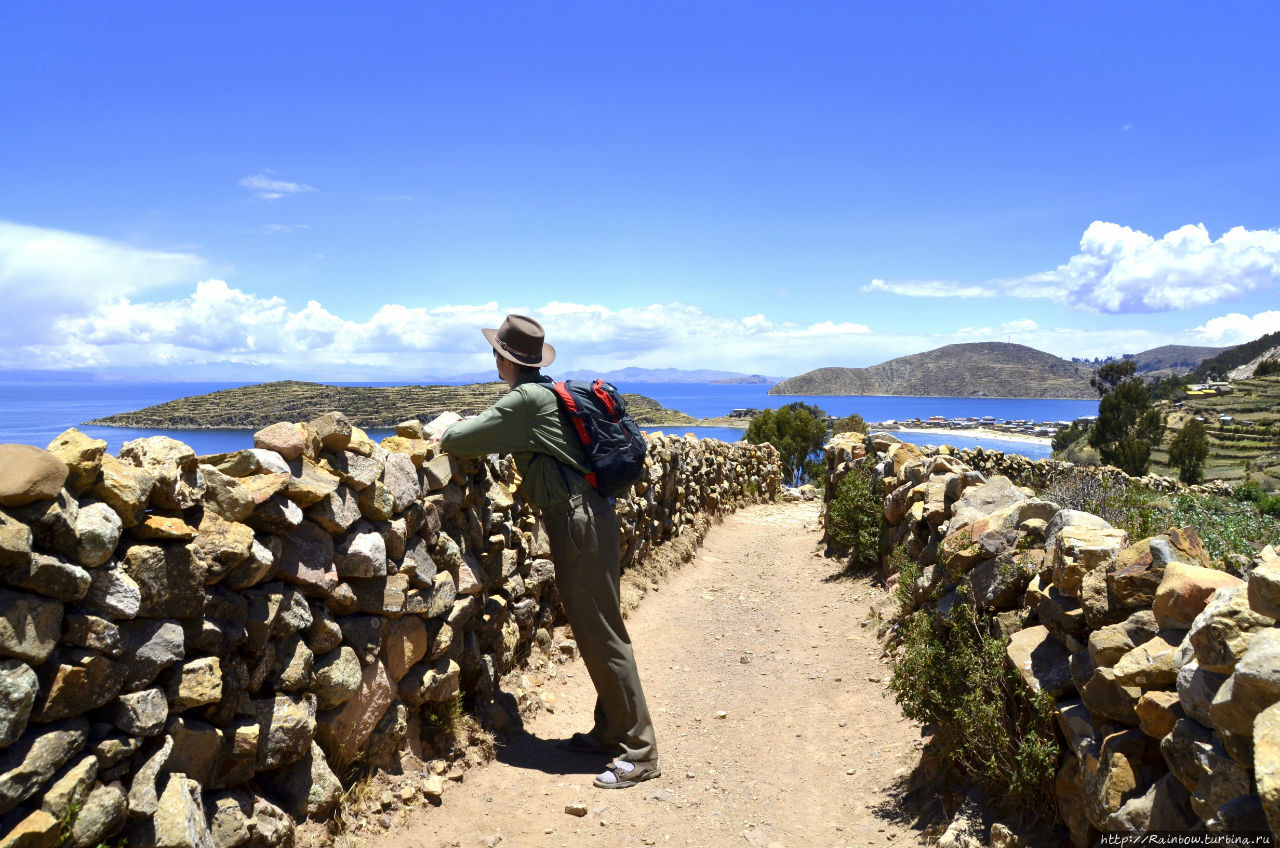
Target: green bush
[855,516]
[1188,451]
[798,430]
[852,423]
[989,726]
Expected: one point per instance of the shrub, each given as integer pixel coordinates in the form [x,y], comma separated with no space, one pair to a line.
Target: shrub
[855,516]
[1119,501]
[1188,451]
[852,423]
[989,726]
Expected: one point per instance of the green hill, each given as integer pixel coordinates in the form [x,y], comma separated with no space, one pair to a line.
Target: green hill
[1250,438]
[253,407]
[985,369]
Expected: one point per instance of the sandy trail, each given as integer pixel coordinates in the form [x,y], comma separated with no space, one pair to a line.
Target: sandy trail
[811,751]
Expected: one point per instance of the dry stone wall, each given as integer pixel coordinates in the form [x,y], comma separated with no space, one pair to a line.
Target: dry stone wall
[196,651]
[1165,668]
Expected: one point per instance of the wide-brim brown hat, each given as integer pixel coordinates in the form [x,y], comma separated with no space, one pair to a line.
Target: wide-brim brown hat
[520,339]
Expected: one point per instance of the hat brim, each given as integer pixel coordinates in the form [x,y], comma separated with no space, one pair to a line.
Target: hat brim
[548,352]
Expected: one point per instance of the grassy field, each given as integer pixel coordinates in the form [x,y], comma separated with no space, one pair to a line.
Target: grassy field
[254,407]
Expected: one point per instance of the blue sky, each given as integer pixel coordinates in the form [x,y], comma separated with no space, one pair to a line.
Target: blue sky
[349,191]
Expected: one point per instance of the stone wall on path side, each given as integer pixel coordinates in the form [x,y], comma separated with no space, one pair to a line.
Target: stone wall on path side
[193,649]
[1165,671]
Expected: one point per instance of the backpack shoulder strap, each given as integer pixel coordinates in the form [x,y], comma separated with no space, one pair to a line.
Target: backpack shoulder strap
[575,415]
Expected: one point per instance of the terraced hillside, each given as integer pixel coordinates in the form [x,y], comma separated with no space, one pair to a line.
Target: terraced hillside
[252,407]
[1251,438]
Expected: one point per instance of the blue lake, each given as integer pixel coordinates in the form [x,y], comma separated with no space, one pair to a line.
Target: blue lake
[34,413]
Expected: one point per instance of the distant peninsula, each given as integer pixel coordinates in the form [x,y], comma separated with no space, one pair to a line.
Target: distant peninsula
[254,407]
[984,369]
[749,380]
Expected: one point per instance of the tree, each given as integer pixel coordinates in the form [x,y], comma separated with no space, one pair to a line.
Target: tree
[1128,425]
[1067,437]
[1188,451]
[852,423]
[797,430]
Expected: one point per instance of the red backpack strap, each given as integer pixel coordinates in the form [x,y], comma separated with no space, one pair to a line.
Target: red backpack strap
[598,389]
[566,397]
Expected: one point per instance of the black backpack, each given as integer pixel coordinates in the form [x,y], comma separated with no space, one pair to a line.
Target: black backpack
[614,445]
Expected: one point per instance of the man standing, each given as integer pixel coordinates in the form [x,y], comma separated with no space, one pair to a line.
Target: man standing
[583,530]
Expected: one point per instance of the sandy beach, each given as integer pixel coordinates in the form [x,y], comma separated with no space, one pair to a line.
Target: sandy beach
[978,432]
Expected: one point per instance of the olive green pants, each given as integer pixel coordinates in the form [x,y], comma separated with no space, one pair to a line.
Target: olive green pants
[583,533]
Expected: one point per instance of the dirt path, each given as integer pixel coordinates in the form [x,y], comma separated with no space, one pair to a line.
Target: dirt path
[811,751]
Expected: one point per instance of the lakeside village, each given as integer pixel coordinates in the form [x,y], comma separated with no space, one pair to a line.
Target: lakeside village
[1014,426]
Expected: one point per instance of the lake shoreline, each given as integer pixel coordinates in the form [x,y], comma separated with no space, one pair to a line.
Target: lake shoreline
[971,432]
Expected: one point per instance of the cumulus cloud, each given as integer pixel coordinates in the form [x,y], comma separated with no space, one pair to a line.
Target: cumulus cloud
[1236,328]
[264,185]
[219,323]
[1119,270]
[47,273]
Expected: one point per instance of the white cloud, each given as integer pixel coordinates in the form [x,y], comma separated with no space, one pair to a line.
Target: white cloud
[267,187]
[47,273]
[929,288]
[1119,270]
[276,229]
[1236,328]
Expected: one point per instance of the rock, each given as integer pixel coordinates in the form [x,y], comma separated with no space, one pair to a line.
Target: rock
[28,475]
[333,429]
[401,479]
[288,727]
[1184,591]
[438,472]
[1107,698]
[1078,550]
[271,826]
[29,626]
[172,465]
[297,660]
[157,526]
[1158,711]
[576,809]
[275,514]
[1070,518]
[1266,762]
[1115,777]
[125,488]
[361,553]
[999,583]
[471,577]
[346,730]
[144,794]
[112,593]
[140,713]
[1201,764]
[1241,815]
[69,791]
[30,763]
[358,472]
[18,688]
[389,740]
[428,683]
[49,576]
[305,789]
[1109,643]
[382,596]
[38,830]
[1041,660]
[98,529]
[1101,606]
[225,495]
[220,545]
[1196,688]
[1069,791]
[284,438]
[101,816]
[196,683]
[179,818]
[404,643]
[1253,687]
[1221,633]
[336,512]
[1151,664]
[323,634]
[965,829]
[377,503]
[151,646]
[337,676]
[307,559]
[15,542]
[170,579]
[1264,584]
[52,522]
[309,483]
[74,681]
[257,567]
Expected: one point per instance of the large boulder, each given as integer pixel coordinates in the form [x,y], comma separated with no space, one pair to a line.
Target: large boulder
[28,475]
[1079,549]
[31,762]
[18,688]
[983,499]
[29,626]
[284,438]
[125,488]
[1150,665]
[82,455]
[1264,584]
[1266,762]
[1221,633]
[1041,660]
[344,732]
[1253,687]
[173,466]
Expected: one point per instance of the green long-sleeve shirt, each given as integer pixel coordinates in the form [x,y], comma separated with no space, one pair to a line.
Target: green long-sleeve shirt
[526,423]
